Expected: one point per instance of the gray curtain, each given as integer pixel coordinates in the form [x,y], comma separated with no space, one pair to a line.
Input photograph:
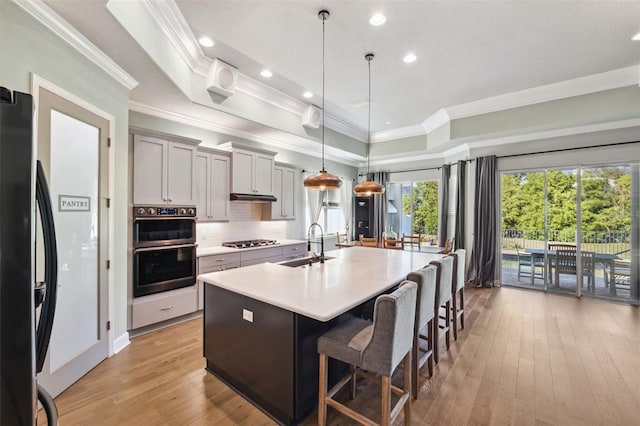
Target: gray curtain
[460,234]
[444,206]
[379,204]
[485,227]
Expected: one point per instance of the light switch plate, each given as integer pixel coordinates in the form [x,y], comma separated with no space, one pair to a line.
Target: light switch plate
[247,315]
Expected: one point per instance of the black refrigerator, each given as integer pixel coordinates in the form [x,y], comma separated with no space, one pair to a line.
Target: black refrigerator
[26,307]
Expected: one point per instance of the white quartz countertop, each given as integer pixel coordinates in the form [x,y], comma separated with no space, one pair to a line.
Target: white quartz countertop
[323,291]
[209,251]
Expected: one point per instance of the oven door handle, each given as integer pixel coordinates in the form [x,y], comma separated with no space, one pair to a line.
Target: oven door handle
[156,248]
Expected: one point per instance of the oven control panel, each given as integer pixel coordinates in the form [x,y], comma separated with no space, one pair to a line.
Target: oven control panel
[163,211]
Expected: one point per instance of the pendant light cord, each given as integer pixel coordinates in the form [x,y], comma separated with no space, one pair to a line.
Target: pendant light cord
[369,123]
[323,125]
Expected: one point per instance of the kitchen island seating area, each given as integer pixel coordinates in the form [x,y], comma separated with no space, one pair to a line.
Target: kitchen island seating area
[273,323]
[372,348]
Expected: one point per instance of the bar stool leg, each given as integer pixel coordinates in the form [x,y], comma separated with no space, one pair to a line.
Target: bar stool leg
[462,308]
[352,385]
[386,400]
[430,345]
[407,387]
[454,309]
[322,391]
[415,350]
[447,322]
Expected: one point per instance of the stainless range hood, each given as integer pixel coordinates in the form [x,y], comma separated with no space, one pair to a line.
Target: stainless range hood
[234,196]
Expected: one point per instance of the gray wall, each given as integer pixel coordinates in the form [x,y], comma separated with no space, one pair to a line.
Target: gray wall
[27,47]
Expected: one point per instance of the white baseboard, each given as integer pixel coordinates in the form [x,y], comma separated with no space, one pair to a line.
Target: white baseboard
[121,342]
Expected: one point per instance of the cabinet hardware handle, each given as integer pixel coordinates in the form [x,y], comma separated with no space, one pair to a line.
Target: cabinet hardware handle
[170,200]
[294,249]
[220,260]
[167,308]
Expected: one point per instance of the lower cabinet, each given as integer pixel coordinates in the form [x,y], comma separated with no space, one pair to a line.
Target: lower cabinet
[220,262]
[163,306]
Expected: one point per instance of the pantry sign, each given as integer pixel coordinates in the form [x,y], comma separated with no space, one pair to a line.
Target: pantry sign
[74,203]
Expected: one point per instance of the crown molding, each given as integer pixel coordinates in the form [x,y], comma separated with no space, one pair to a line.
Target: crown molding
[439,119]
[399,133]
[61,28]
[621,77]
[172,23]
[285,140]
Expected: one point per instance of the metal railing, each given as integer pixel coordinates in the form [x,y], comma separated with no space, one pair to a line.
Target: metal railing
[617,242]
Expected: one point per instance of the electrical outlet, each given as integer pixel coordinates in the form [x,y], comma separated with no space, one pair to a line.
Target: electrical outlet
[247,315]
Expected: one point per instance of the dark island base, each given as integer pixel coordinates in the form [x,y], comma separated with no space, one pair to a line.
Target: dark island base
[272,360]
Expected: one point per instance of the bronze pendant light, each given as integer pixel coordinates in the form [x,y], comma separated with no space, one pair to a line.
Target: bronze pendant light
[368,187]
[323,179]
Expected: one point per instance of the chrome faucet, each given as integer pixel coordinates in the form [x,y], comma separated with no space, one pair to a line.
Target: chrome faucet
[321,240]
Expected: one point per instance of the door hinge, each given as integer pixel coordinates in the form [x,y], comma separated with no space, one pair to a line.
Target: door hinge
[108,142]
[108,264]
[108,202]
[108,325]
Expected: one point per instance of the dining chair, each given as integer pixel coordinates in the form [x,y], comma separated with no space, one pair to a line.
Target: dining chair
[369,242]
[372,348]
[588,265]
[391,243]
[341,239]
[411,241]
[426,313]
[449,246]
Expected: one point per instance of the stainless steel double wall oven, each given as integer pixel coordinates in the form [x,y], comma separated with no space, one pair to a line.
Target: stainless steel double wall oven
[164,249]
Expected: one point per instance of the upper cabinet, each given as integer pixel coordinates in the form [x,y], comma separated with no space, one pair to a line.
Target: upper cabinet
[212,183]
[284,186]
[252,171]
[164,170]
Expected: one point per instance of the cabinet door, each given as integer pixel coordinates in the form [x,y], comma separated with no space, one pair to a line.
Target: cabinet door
[276,206]
[203,186]
[149,167]
[243,169]
[288,193]
[263,174]
[219,184]
[180,174]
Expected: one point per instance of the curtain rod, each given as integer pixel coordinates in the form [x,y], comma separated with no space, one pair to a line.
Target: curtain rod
[568,149]
[425,168]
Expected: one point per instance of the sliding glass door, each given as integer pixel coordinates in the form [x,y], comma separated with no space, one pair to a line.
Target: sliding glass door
[570,230]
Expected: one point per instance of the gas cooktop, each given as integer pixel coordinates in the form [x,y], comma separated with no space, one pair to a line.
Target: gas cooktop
[249,243]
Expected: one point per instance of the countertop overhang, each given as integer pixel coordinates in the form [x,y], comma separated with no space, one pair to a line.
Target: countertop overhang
[323,291]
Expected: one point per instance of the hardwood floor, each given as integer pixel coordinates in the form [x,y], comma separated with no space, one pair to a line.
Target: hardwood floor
[525,358]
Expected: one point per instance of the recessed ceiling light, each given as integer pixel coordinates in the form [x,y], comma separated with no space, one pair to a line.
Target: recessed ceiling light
[205,41]
[636,37]
[307,94]
[409,57]
[266,73]
[377,19]
[389,122]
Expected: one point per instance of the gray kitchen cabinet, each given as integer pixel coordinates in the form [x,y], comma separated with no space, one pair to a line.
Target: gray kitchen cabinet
[212,184]
[163,306]
[284,187]
[294,251]
[214,263]
[163,171]
[252,171]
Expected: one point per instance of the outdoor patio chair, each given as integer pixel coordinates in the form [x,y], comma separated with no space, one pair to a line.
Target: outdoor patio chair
[528,264]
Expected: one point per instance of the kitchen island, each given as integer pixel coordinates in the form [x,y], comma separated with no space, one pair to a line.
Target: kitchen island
[261,322]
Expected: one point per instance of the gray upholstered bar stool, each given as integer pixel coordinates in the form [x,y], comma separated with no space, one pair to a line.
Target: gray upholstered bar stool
[443,299]
[377,347]
[425,318]
[457,289]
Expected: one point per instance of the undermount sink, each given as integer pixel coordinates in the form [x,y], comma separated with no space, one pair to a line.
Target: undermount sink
[303,261]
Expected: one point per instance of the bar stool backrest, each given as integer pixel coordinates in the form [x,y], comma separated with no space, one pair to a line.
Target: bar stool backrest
[445,279]
[458,273]
[426,297]
[392,335]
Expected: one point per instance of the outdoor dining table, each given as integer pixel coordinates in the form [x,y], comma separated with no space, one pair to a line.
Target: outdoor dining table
[606,259]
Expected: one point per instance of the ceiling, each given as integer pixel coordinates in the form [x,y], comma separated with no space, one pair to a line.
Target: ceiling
[466,50]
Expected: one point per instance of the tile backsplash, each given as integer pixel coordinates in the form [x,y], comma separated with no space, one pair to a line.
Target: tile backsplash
[245,224]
